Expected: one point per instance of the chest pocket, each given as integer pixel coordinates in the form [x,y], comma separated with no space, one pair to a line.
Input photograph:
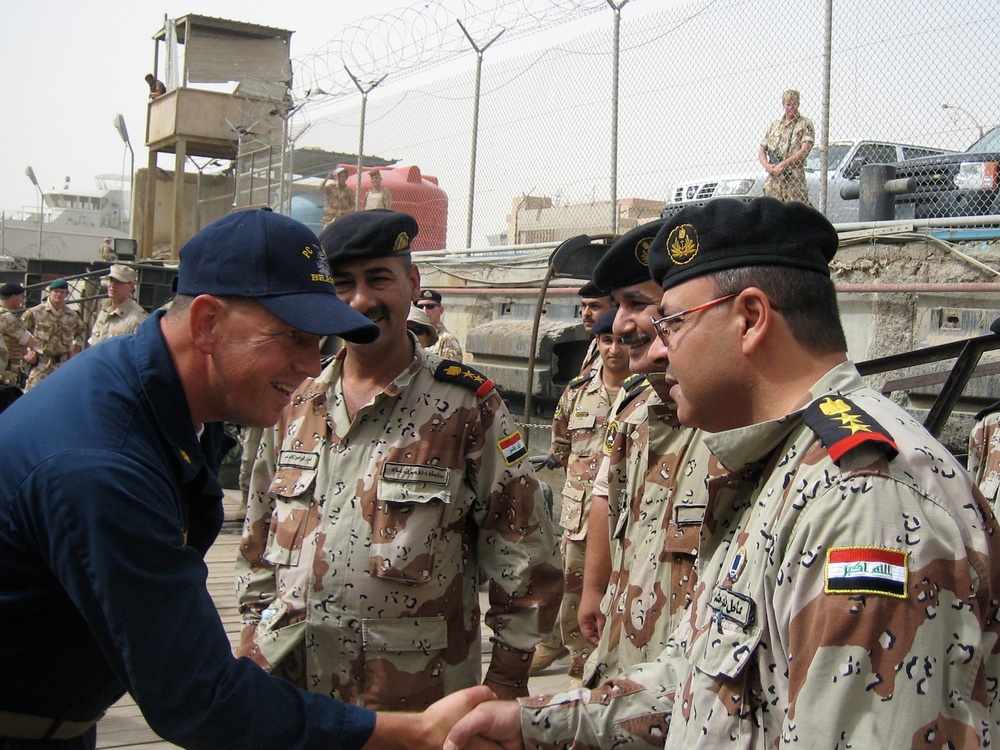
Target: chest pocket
[724,669]
[294,514]
[406,528]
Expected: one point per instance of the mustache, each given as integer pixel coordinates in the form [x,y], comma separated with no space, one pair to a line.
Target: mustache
[377,313]
[635,338]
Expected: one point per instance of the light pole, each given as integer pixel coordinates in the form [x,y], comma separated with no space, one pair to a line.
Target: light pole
[119,122]
[365,90]
[971,116]
[41,205]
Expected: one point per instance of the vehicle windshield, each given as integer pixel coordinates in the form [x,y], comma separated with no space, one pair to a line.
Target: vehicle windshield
[989,142]
[837,152]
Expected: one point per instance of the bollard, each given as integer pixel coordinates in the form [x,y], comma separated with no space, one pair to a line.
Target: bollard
[877,191]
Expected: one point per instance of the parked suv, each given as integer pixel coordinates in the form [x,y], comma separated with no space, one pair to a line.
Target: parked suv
[965,183]
[844,165]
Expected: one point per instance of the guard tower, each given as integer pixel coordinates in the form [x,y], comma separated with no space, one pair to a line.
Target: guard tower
[239,113]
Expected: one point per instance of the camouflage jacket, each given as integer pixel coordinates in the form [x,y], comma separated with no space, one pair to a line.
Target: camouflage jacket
[847,597]
[57,331]
[984,455]
[657,494]
[339,202]
[786,138]
[577,440]
[447,346]
[126,318]
[15,336]
[365,541]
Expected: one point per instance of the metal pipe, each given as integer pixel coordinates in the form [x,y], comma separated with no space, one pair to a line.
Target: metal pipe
[475,128]
[361,129]
[824,154]
[615,49]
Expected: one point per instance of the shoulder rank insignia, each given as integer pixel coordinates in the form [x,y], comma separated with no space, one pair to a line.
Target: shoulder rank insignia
[450,371]
[633,385]
[842,426]
[581,379]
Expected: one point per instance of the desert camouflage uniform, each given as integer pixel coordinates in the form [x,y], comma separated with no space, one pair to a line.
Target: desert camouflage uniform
[364,583]
[57,333]
[116,321]
[657,495]
[447,346]
[837,606]
[15,336]
[786,139]
[339,202]
[577,440]
[591,358]
[984,453]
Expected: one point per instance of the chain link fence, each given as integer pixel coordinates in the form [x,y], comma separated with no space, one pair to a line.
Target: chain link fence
[564,147]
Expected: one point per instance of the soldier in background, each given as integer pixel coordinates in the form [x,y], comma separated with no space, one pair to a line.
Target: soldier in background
[593,304]
[984,447]
[58,332]
[849,566]
[17,338]
[394,484]
[578,429]
[108,251]
[338,198]
[637,586]
[447,344]
[120,314]
[783,152]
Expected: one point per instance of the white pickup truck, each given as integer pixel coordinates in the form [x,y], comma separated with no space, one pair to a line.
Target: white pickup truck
[844,166]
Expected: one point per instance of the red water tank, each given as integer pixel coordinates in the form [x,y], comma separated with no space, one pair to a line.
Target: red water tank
[415,194]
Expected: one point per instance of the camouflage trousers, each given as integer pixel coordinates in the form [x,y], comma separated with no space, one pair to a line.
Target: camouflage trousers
[574,553]
[790,185]
[45,366]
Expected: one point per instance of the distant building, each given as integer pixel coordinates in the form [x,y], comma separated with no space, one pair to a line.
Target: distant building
[536,219]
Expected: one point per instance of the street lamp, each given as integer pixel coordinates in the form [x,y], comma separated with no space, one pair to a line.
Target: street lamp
[201,168]
[119,123]
[971,116]
[41,205]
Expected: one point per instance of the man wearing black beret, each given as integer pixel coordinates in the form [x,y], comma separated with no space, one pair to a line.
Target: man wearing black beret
[446,345]
[394,483]
[594,302]
[848,564]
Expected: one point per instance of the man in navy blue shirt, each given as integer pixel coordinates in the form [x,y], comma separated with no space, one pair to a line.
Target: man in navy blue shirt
[109,499]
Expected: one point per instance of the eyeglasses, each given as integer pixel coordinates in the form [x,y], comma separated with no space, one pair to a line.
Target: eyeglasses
[429,306]
[665,326]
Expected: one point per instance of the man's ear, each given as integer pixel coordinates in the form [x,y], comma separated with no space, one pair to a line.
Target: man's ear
[757,317]
[414,283]
[204,318]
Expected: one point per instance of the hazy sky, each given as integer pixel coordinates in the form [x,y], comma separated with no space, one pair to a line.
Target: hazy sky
[69,67]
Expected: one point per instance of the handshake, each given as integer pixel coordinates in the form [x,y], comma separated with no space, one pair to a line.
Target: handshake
[471,718]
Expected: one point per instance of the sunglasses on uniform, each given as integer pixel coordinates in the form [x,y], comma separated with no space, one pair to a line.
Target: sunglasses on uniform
[429,306]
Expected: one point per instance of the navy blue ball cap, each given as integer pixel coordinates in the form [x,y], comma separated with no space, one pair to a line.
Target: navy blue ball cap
[729,233]
[626,262]
[376,233]
[277,261]
[605,322]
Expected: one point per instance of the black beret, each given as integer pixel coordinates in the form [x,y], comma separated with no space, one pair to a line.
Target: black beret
[605,322]
[728,233]
[590,289]
[376,233]
[994,326]
[430,294]
[627,260]
[10,289]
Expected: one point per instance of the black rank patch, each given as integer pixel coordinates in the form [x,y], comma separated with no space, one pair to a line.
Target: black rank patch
[842,426]
[450,371]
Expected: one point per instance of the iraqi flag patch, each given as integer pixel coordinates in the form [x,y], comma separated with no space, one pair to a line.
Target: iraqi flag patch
[513,448]
[866,570]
